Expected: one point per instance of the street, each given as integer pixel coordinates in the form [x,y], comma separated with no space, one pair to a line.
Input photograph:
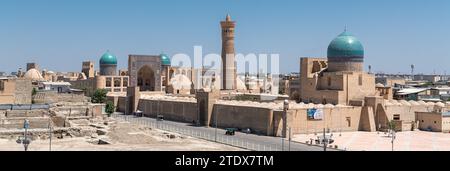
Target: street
[243,140]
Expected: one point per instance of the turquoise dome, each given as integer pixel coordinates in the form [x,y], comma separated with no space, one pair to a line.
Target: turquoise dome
[165,60]
[108,59]
[345,45]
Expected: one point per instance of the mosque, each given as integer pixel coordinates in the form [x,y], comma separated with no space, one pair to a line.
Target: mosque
[340,78]
[335,93]
[154,74]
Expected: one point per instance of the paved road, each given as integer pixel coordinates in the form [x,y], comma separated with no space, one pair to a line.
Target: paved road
[249,141]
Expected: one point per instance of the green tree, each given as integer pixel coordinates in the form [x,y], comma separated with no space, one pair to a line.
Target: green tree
[391,125]
[110,108]
[99,96]
[33,94]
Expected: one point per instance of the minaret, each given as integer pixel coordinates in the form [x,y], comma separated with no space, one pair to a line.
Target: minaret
[228,54]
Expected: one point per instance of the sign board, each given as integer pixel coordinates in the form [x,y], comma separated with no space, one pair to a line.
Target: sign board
[315,114]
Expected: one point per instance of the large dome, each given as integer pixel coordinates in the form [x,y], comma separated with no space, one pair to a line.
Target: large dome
[108,59]
[34,75]
[346,46]
[165,60]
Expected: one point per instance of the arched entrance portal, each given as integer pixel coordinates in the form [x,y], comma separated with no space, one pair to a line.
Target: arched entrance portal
[146,79]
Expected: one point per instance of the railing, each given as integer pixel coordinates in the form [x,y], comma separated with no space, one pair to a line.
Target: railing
[23,107]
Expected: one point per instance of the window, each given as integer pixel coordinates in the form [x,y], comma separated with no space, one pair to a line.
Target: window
[2,85]
[329,81]
[108,82]
[117,82]
[349,121]
[360,80]
[435,122]
[125,82]
[396,117]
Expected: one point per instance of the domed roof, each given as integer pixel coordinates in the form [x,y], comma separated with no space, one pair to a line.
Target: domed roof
[379,85]
[108,59]
[180,82]
[34,75]
[345,45]
[165,60]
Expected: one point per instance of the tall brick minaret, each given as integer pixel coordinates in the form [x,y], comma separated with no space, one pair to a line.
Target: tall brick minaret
[228,55]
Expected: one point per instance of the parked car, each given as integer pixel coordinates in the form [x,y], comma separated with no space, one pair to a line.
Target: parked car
[160,118]
[230,131]
[247,131]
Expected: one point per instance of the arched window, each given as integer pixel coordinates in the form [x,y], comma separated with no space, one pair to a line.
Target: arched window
[108,82]
[117,82]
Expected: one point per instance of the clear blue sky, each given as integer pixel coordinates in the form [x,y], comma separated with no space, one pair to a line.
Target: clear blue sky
[60,34]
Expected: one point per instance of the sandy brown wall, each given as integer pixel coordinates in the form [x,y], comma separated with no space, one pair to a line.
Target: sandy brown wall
[175,111]
[260,120]
[335,119]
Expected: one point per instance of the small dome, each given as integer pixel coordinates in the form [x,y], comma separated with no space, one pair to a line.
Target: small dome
[180,82]
[379,85]
[34,75]
[240,84]
[165,60]
[108,59]
[440,104]
[345,45]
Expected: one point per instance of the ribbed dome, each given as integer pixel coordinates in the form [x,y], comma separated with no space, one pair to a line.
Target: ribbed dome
[345,45]
[108,59]
[34,75]
[180,82]
[165,60]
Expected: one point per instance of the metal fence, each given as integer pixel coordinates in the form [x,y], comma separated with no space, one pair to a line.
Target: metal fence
[209,135]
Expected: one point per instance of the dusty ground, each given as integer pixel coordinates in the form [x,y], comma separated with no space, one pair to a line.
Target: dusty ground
[122,136]
[372,141]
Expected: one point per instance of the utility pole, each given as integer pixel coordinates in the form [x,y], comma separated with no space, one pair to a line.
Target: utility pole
[24,140]
[393,139]
[215,136]
[50,131]
[327,140]
[324,140]
[285,124]
[290,138]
